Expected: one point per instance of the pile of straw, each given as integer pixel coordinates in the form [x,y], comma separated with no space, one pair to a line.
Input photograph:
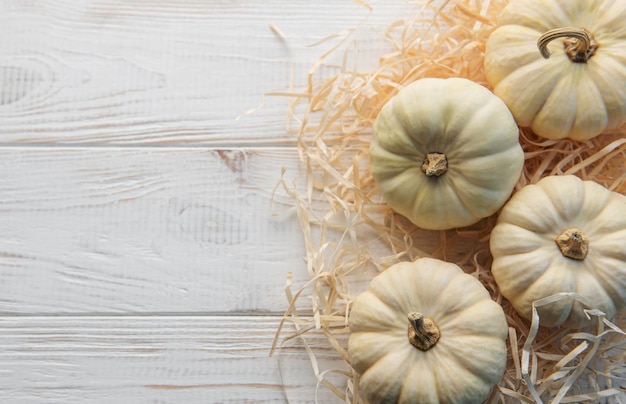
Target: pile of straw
[351,234]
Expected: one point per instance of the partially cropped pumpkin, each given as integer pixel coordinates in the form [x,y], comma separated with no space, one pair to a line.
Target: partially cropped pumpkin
[426,332]
[560,65]
[445,153]
[562,234]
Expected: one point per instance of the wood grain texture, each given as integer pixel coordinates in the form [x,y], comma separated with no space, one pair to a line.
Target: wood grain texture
[145,230]
[163,359]
[168,72]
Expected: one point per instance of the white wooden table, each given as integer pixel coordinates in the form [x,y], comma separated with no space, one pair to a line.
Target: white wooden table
[140,257]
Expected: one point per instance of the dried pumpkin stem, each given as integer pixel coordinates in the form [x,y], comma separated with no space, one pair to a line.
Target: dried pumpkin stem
[423,332]
[573,244]
[580,44]
[435,164]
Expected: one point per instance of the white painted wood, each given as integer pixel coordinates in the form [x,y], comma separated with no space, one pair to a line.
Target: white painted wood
[175,71]
[104,230]
[166,359]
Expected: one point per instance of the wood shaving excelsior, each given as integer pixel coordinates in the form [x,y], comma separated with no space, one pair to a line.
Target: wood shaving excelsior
[350,234]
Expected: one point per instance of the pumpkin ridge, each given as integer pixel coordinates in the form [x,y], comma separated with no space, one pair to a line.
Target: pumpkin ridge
[515,220]
[381,301]
[375,369]
[365,340]
[473,128]
[601,96]
[609,277]
[415,375]
[577,192]
[524,74]
[547,275]
[388,309]
[512,50]
[460,154]
[599,76]
[559,98]
[610,252]
[591,282]
[595,205]
[589,119]
[465,361]
[448,385]
[529,14]
[394,141]
[412,122]
[519,213]
[457,324]
[438,314]
[447,310]
[467,136]
[463,202]
[512,240]
[609,17]
[424,204]
[481,185]
[408,162]
[404,273]
[512,285]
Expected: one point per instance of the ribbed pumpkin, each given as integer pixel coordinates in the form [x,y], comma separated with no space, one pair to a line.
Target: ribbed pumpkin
[426,332]
[562,234]
[579,91]
[445,153]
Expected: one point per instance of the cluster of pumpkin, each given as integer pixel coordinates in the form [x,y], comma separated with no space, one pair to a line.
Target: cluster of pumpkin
[445,153]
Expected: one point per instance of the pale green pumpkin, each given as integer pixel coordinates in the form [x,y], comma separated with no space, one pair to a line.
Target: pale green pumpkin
[445,153]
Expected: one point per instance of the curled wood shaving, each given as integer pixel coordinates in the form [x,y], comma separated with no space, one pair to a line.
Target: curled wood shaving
[350,234]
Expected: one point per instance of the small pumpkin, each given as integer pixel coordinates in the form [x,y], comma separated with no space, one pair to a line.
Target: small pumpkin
[445,153]
[562,234]
[580,90]
[426,332]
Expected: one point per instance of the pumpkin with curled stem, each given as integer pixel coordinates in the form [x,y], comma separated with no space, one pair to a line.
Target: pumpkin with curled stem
[426,332]
[560,65]
[445,153]
[562,234]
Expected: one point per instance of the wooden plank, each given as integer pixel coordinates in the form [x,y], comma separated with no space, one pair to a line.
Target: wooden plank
[172,72]
[155,359]
[151,230]
[105,230]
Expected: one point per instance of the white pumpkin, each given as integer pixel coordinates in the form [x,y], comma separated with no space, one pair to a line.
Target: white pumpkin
[426,332]
[445,153]
[562,234]
[580,90]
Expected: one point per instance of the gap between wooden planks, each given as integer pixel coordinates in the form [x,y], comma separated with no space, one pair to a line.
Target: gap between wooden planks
[146,359]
